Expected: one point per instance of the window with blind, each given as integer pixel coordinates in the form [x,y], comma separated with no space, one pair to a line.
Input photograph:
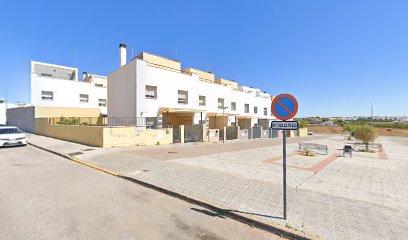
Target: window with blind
[102,102]
[182,97]
[246,108]
[201,100]
[220,103]
[47,95]
[233,106]
[151,92]
[83,98]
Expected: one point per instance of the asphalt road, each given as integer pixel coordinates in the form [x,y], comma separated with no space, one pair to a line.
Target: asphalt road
[43,196]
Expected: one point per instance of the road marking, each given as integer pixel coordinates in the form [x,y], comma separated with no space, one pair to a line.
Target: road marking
[273,160]
[382,155]
[315,168]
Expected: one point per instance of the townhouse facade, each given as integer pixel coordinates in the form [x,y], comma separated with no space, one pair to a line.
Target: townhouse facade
[151,86]
[58,86]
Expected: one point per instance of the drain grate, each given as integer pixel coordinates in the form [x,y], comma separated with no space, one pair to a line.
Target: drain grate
[172,152]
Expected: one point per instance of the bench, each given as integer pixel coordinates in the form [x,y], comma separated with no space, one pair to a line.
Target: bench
[314,147]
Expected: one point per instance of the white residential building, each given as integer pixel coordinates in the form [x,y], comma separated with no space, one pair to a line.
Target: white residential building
[157,87]
[58,86]
[3,117]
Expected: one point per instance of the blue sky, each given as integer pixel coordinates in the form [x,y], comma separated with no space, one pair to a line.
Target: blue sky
[335,56]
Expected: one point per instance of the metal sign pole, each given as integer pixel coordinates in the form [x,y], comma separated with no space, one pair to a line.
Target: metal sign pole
[284,174]
[284,107]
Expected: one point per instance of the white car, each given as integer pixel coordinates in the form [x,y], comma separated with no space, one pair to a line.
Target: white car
[12,136]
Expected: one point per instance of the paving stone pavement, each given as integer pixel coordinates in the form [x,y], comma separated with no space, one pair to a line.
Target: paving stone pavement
[362,197]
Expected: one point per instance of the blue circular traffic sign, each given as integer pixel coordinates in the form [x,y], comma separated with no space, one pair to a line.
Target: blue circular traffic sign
[284,107]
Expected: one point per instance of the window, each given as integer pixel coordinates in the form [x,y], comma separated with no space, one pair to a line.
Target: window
[46,74]
[11,130]
[47,95]
[151,92]
[233,106]
[246,108]
[220,103]
[102,102]
[255,109]
[182,97]
[201,100]
[265,111]
[83,98]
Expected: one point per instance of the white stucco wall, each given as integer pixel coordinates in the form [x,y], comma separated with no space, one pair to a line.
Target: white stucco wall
[66,92]
[122,91]
[121,86]
[22,117]
[3,116]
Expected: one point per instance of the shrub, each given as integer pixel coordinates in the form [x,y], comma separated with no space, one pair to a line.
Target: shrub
[302,122]
[68,121]
[348,127]
[365,133]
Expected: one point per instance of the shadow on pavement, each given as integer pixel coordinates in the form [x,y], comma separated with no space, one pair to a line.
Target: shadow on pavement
[257,214]
[209,213]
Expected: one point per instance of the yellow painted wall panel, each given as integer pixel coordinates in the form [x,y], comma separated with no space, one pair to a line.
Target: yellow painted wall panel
[44,112]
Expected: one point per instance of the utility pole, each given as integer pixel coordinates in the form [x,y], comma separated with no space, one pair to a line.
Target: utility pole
[371,110]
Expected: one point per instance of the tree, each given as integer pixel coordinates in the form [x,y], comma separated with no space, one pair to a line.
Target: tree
[348,127]
[302,122]
[365,133]
[339,122]
[325,119]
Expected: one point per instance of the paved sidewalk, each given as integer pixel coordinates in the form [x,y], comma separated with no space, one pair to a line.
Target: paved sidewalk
[363,197]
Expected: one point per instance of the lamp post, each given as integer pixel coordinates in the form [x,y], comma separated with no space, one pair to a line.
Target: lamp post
[223,124]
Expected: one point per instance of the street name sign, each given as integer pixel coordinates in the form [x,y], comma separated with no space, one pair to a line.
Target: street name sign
[285,125]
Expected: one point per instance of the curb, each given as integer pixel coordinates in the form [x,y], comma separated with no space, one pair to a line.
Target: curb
[76,160]
[277,229]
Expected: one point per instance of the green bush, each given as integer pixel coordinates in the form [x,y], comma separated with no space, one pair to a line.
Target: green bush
[68,121]
[302,122]
[348,127]
[365,133]
[339,122]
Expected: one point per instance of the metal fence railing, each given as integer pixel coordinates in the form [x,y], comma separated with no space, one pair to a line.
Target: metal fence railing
[149,122]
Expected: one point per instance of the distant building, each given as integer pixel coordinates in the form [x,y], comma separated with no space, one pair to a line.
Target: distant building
[58,86]
[17,105]
[328,123]
[3,117]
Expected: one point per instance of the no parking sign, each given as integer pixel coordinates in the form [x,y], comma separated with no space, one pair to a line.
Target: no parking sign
[284,107]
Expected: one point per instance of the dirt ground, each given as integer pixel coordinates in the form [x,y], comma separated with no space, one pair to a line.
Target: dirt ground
[398,132]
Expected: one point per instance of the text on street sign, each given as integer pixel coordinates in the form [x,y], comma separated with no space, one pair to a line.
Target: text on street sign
[285,125]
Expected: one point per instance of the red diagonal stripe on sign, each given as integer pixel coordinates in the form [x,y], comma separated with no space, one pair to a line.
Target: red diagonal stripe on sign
[284,107]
